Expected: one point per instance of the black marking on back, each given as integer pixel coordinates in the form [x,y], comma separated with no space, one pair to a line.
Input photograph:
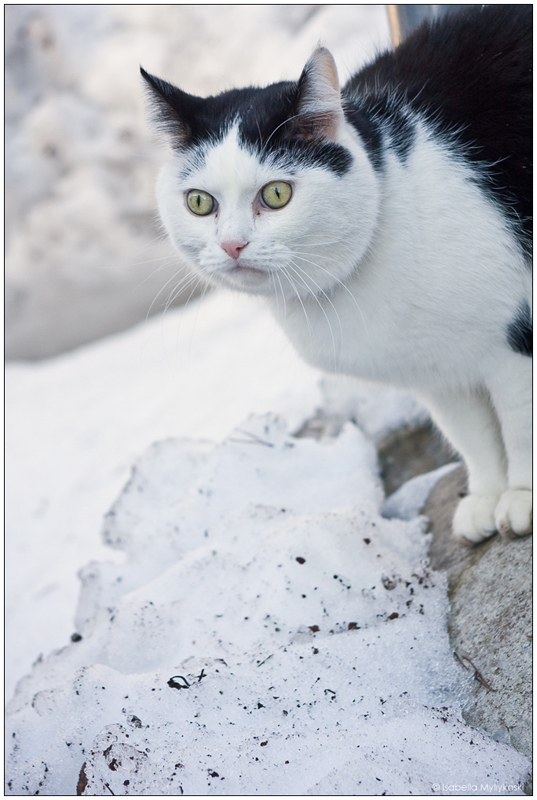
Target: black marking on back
[369,131]
[402,133]
[520,331]
[387,118]
[469,74]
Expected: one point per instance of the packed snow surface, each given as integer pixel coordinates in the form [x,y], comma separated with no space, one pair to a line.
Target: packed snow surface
[259,627]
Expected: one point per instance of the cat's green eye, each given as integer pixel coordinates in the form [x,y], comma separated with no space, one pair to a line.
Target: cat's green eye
[200,202]
[276,194]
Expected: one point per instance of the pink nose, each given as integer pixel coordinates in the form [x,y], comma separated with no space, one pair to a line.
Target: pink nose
[233,249]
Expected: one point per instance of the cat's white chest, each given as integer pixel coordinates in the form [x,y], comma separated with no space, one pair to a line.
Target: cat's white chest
[425,305]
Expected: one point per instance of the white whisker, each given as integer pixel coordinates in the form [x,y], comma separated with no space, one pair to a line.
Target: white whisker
[297,270]
[340,283]
[183,283]
[297,293]
[181,287]
[148,314]
[264,144]
[275,275]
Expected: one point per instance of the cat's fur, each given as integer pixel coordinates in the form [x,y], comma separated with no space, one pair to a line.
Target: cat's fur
[403,254]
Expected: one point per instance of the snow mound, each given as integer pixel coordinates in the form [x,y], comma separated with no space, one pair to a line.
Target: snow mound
[268,632]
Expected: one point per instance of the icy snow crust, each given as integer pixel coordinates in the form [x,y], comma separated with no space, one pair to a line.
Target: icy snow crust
[268,633]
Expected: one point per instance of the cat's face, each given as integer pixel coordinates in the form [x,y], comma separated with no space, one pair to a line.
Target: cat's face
[268,191]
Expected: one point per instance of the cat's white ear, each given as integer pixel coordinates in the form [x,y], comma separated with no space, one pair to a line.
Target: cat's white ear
[319,99]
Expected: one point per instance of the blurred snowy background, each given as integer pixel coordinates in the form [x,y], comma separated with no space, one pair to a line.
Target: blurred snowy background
[85,256]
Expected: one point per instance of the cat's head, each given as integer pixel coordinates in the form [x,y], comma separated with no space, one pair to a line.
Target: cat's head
[268,190]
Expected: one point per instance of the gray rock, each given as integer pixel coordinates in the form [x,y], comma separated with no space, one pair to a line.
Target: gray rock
[411,451]
[490,618]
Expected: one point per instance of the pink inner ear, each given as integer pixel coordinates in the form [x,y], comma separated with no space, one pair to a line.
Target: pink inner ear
[320,109]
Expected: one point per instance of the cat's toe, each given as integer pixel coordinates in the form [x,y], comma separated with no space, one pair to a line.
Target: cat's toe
[514,513]
[474,518]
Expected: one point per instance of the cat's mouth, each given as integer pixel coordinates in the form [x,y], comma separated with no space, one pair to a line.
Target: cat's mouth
[244,271]
[247,276]
[244,275]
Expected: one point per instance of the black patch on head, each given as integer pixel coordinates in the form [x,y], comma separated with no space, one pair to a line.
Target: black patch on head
[520,331]
[267,120]
[267,127]
[292,154]
[191,121]
[469,75]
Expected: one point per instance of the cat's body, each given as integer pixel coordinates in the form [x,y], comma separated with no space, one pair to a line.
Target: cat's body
[387,227]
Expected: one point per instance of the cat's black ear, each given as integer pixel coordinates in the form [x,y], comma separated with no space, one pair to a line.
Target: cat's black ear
[318,104]
[173,109]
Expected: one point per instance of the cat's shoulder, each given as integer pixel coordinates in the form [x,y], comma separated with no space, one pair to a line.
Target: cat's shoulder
[468,75]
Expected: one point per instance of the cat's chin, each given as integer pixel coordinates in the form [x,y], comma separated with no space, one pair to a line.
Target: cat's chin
[247,279]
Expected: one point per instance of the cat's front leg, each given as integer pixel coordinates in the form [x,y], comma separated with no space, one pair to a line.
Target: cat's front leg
[511,391]
[470,424]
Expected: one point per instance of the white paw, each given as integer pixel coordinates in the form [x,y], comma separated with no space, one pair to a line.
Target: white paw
[474,517]
[514,513]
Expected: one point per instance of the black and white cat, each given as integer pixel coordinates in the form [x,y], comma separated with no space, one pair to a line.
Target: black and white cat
[388,227]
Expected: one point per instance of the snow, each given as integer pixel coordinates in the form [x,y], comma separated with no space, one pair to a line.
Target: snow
[251,623]
[75,425]
[406,502]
